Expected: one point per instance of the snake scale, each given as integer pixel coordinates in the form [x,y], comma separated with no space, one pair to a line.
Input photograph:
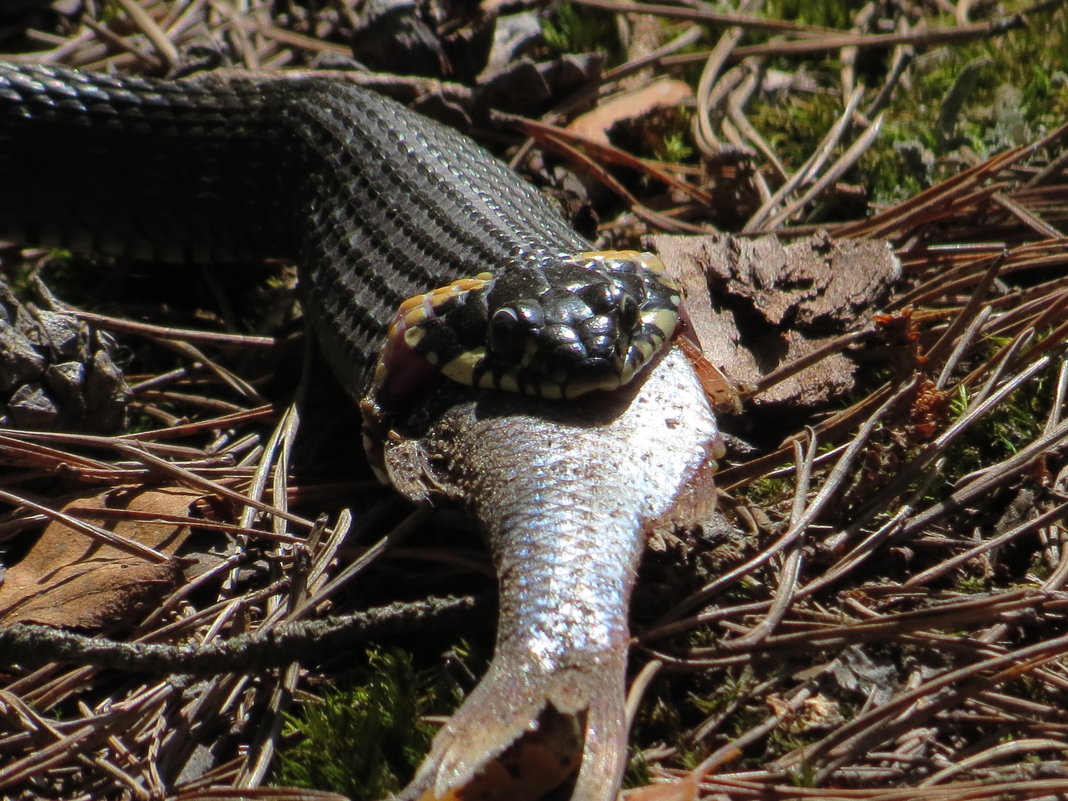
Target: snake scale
[419,253]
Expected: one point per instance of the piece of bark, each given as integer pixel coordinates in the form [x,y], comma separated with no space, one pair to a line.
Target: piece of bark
[449,39]
[529,88]
[515,36]
[397,36]
[756,304]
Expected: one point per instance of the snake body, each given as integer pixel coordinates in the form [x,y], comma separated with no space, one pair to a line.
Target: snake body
[403,229]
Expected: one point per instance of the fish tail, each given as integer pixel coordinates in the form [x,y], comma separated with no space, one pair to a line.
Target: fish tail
[521,734]
[604,756]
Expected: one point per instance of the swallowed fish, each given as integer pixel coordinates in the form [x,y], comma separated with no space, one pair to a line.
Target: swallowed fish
[565,494]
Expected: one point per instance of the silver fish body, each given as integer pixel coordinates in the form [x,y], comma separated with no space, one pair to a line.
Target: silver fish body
[566,494]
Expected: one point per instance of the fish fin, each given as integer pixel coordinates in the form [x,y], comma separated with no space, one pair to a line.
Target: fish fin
[521,734]
[695,501]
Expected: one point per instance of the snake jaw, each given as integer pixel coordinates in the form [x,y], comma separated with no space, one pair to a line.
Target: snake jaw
[411,354]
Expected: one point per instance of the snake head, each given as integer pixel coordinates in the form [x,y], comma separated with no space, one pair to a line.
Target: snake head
[572,325]
[555,327]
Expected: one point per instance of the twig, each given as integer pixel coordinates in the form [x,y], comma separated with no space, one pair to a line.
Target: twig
[298,642]
[707,17]
[164,46]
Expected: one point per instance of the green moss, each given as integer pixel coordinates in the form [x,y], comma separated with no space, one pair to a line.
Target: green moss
[896,167]
[1039,567]
[971,585]
[366,739]
[983,96]
[675,147]
[822,13]
[637,773]
[987,95]
[578,29]
[766,493]
[803,776]
[794,127]
[1018,419]
[675,705]
[75,279]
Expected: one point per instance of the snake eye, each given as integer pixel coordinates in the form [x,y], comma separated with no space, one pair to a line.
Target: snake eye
[628,313]
[505,333]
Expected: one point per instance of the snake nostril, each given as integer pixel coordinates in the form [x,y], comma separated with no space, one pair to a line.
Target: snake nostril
[627,309]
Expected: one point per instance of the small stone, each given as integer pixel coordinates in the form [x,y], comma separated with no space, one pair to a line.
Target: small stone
[31,407]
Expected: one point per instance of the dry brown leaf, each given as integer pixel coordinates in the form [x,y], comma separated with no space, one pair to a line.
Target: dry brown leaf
[815,714]
[68,580]
[635,104]
[720,390]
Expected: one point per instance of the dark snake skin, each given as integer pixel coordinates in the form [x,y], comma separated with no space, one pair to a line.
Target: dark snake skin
[206,171]
[376,204]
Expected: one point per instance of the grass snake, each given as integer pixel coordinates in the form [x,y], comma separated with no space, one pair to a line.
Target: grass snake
[404,230]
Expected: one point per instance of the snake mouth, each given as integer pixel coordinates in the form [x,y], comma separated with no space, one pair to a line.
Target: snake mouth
[570,326]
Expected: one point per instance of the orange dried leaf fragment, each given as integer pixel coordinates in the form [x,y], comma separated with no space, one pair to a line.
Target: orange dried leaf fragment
[658,96]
